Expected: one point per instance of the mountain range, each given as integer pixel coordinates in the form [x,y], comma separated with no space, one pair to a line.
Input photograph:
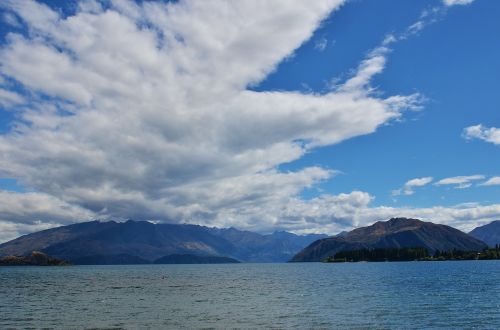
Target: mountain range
[395,233]
[139,242]
[142,242]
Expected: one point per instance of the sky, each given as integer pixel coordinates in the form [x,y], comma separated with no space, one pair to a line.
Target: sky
[260,115]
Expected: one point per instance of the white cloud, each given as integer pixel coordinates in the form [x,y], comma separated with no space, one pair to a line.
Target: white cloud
[11,20]
[23,213]
[8,98]
[457,2]
[324,214]
[460,182]
[320,44]
[167,129]
[493,181]
[463,217]
[11,230]
[335,213]
[488,134]
[427,17]
[408,187]
[31,207]
[372,65]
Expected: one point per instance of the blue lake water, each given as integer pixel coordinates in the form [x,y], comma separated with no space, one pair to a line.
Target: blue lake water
[404,295]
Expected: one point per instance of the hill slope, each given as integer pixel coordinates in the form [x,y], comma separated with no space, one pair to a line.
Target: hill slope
[114,242]
[395,233]
[490,233]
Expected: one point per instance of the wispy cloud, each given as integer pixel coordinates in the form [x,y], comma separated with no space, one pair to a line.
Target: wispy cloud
[488,134]
[321,44]
[493,181]
[427,17]
[460,182]
[409,187]
[450,3]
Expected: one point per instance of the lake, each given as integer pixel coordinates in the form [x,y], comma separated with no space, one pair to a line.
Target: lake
[399,295]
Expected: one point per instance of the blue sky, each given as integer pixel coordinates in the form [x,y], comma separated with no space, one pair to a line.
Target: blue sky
[262,116]
[453,63]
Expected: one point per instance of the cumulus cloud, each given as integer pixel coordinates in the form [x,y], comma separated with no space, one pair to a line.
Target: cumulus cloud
[10,230]
[334,214]
[22,213]
[167,129]
[408,187]
[464,217]
[493,181]
[488,134]
[457,2]
[323,214]
[31,207]
[460,182]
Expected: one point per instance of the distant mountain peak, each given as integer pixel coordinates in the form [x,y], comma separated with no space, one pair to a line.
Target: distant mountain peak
[382,228]
[393,233]
[489,233]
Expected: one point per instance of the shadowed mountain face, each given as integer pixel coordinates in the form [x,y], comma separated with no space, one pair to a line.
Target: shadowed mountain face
[395,233]
[110,242]
[490,233]
[276,247]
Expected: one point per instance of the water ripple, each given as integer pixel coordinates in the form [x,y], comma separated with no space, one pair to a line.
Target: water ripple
[414,295]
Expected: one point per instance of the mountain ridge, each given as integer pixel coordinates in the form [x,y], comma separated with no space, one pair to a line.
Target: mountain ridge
[489,233]
[95,240]
[394,233]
